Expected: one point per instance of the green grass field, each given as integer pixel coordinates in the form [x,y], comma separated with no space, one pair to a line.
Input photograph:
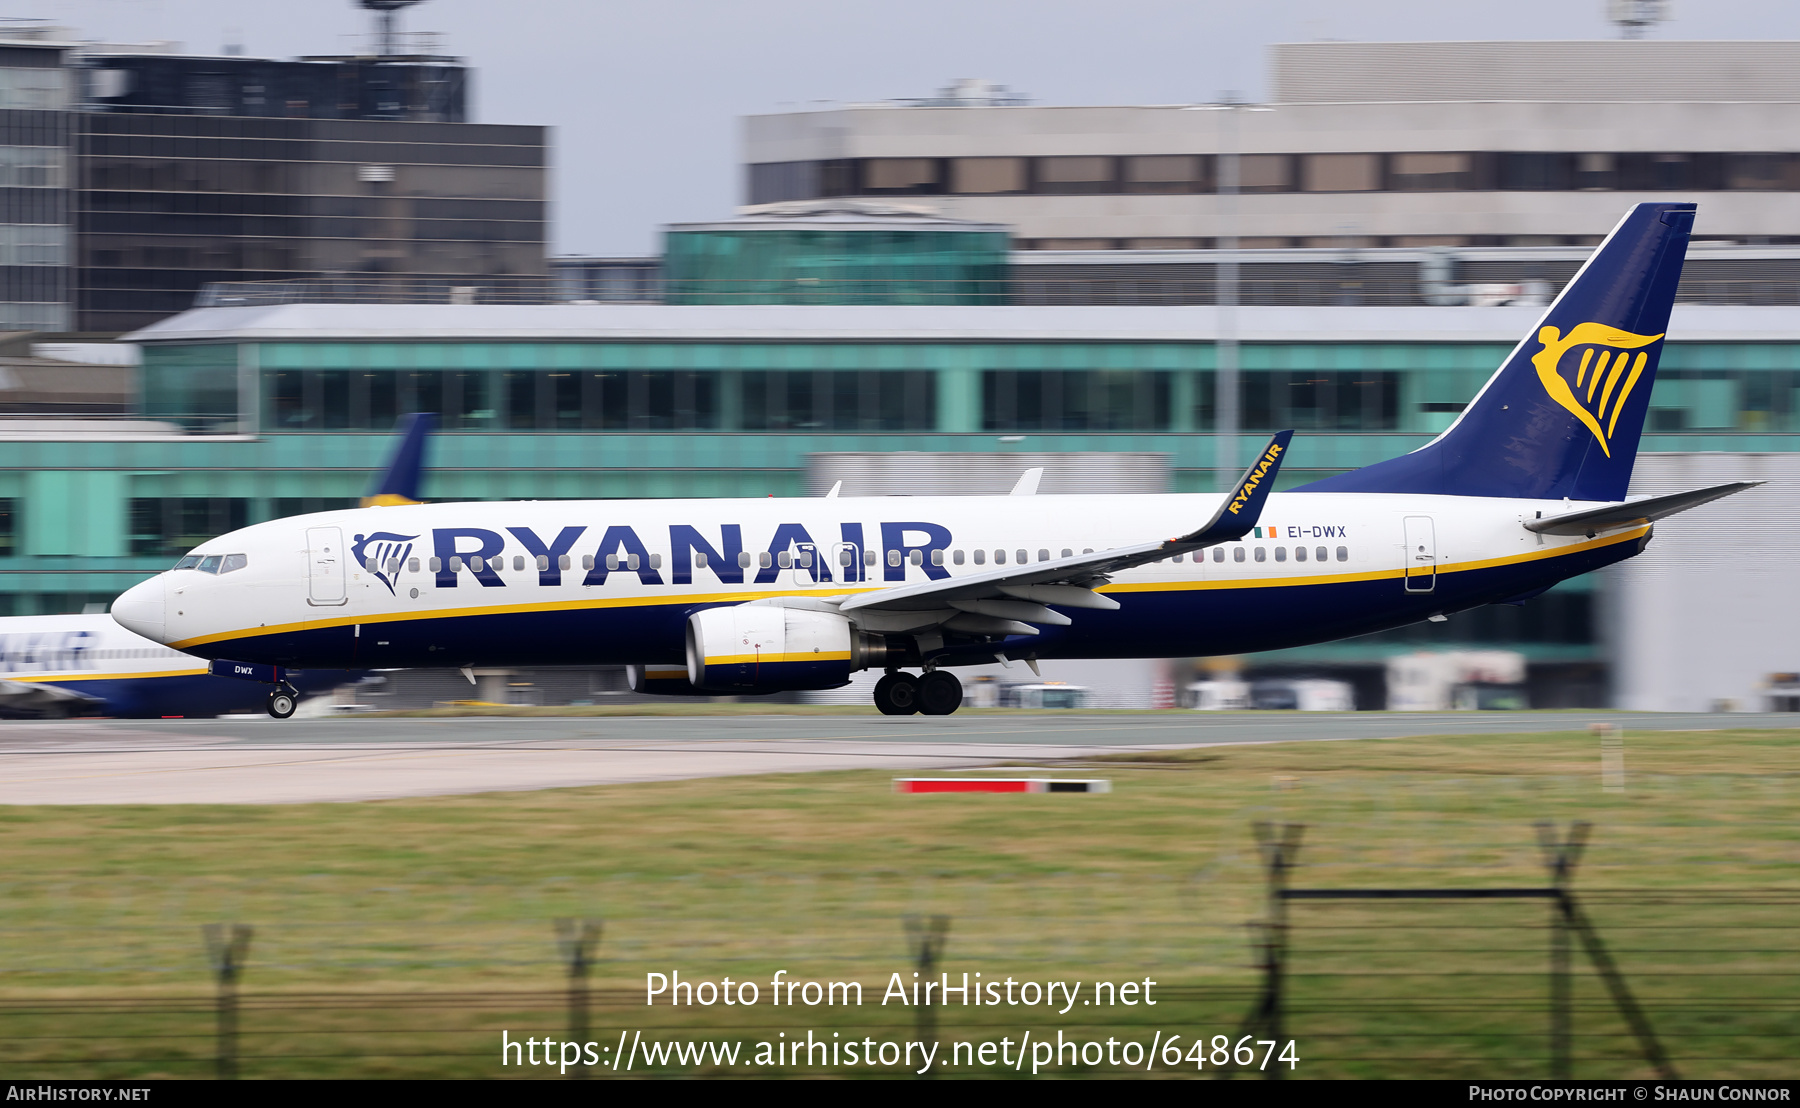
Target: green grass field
[399,938]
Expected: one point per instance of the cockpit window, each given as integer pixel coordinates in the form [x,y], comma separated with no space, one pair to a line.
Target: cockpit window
[234,562]
[210,563]
[192,561]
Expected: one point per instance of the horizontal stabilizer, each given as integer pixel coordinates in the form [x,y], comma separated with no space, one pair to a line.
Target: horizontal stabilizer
[1632,513]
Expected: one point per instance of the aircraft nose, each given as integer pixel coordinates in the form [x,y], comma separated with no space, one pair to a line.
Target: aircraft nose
[140,609]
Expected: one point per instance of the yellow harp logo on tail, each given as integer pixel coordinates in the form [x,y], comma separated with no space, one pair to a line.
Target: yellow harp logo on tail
[1593,387]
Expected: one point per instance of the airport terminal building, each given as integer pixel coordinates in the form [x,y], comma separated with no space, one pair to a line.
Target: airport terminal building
[947,340]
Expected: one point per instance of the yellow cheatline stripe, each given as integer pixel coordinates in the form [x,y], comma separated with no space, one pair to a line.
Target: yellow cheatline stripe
[57,679]
[510,609]
[386,500]
[746,597]
[771,659]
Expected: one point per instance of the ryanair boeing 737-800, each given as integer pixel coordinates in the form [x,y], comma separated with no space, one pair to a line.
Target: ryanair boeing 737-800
[1526,489]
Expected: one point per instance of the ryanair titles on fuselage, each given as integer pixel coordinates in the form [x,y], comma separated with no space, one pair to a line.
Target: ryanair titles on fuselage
[478,551]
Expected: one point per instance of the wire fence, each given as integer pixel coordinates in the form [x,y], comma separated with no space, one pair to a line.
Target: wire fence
[325,977]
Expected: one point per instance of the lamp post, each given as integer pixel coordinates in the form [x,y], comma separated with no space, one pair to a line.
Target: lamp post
[1227,394]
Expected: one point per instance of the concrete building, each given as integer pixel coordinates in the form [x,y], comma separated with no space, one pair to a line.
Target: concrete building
[1359,145]
[130,177]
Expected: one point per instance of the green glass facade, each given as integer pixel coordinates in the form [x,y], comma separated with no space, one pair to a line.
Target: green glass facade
[821,265]
[279,428]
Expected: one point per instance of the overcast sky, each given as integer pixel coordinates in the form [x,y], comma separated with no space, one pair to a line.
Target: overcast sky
[643,95]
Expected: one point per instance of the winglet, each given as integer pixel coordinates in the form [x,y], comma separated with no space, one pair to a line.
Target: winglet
[1237,516]
[400,482]
[1027,484]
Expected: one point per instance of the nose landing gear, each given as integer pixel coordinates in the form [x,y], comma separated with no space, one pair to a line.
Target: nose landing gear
[282,702]
[937,693]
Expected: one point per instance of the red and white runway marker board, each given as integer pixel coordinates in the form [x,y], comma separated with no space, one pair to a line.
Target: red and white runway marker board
[1000,785]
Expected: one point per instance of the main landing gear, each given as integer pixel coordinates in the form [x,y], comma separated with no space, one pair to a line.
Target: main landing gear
[937,693]
[283,701]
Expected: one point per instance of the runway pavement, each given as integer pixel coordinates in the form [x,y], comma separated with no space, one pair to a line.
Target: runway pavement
[265,761]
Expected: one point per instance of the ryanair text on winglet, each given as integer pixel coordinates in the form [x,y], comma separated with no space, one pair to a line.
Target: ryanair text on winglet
[1255,479]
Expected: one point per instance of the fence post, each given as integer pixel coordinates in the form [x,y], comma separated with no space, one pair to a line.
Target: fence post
[927,935]
[1561,857]
[227,946]
[576,939]
[1279,849]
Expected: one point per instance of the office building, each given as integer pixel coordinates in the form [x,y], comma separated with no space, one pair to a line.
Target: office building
[1359,145]
[133,177]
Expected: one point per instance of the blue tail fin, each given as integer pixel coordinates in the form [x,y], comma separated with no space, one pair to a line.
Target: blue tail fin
[1562,416]
[400,482]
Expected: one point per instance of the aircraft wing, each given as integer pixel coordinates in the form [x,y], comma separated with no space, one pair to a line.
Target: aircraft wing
[1008,601]
[1632,513]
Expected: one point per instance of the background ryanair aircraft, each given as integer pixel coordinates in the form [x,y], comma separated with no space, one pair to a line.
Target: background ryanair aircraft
[1526,489]
[53,666]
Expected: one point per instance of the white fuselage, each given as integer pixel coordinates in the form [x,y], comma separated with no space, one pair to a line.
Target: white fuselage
[619,578]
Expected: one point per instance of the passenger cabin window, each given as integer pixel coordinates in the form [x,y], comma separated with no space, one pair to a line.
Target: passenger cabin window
[743,559]
[700,559]
[1299,553]
[957,557]
[893,557]
[1343,553]
[1218,553]
[868,557]
[412,564]
[937,557]
[846,556]
[917,557]
[1262,554]
[1281,553]
[1043,555]
[784,560]
[234,562]
[1023,557]
[519,563]
[543,562]
[561,562]
[210,563]
[999,557]
[1321,553]
[192,561]
[981,557]
[1067,553]
[435,565]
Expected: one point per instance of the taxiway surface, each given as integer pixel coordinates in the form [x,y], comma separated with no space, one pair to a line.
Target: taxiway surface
[264,761]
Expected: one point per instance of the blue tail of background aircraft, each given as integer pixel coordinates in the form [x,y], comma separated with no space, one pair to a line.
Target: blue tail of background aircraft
[405,473]
[1563,415]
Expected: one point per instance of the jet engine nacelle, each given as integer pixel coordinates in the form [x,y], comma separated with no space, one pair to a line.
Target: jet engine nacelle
[759,647]
[663,681]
